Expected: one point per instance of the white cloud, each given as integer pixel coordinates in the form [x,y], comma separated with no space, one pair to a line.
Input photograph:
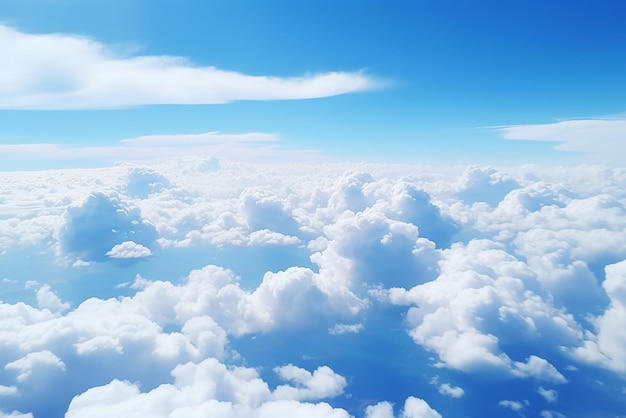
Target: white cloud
[97,224]
[473,305]
[512,405]
[322,383]
[60,71]
[608,346]
[449,390]
[550,395]
[413,408]
[339,329]
[267,237]
[129,249]
[551,414]
[47,299]
[208,388]
[380,410]
[7,390]
[26,365]
[521,290]
[582,135]
[418,408]
[15,414]
[251,147]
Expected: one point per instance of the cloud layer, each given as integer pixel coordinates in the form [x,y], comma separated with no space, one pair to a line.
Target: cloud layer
[202,286]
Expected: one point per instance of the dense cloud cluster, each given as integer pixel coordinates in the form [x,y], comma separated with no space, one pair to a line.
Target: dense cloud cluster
[513,276]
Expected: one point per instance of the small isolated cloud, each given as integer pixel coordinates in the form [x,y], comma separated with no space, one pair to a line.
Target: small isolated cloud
[551,414]
[512,405]
[33,361]
[339,329]
[550,395]
[539,368]
[81,263]
[30,284]
[7,390]
[582,135]
[129,249]
[61,71]
[453,391]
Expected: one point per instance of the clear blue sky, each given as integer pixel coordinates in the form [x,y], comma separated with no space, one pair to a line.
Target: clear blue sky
[446,71]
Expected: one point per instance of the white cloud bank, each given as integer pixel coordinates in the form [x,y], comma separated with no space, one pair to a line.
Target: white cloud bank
[513,275]
[61,71]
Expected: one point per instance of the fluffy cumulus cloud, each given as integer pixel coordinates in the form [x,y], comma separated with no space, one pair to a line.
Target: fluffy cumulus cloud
[129,249]
[210,388]
[413,408]
[314,290]
[82,73]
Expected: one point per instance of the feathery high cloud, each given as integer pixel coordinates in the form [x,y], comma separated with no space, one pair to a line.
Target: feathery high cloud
[582,135]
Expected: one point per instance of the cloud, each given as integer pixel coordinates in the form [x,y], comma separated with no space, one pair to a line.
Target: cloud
[15,414]
[129,249]
[339,329]
[413,408]
[470,308]
[60,71]
[551,414]
[550,395]
[34,361]
[7,390]
[47,299]
[484,184]
[255,147]
[581,135]
[210,388]
[142,182]
[419,408]
[525,288]
[449,390]
[94,227]
[322,383]
[512,405]
[607,347]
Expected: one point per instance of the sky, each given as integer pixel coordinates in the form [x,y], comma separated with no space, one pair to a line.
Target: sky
[323,209]
[414,82]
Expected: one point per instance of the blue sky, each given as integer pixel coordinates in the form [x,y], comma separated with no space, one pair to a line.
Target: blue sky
[444,72]
[333,209]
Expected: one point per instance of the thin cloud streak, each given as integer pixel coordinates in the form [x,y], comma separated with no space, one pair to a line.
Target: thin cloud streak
[250,147]
[604,135]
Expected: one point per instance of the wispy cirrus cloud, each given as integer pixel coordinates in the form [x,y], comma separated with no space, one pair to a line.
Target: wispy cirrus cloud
[252,146]
[592,135]
[63,71]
